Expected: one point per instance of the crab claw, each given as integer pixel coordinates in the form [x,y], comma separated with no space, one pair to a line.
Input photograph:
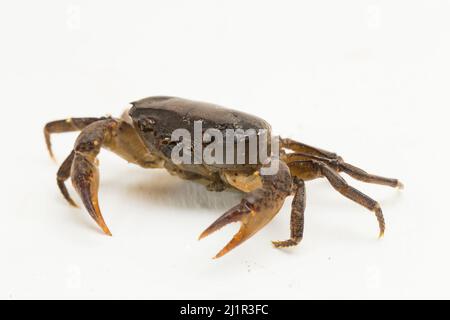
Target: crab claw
[238,213]
[85,179]
[251,222]
[255,211]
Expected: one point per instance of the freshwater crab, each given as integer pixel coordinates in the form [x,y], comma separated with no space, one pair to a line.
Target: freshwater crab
[143,136]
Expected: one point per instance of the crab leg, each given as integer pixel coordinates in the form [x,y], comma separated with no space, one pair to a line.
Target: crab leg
[306,152]
[297,216]
[341,166]
[304,148]
[64,174]
[256,210]
[362,175]
[311,169]
[67,125]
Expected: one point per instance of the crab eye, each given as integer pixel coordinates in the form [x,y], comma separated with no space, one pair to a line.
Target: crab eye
[146,124]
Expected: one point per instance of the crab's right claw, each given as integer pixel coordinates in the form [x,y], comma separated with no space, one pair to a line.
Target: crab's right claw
[85,179]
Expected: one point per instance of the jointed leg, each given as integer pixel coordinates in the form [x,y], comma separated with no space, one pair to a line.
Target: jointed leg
[339,165]
[361,175]
[297,215]
[312,168]
[304,148]
[64,174]
[67,125]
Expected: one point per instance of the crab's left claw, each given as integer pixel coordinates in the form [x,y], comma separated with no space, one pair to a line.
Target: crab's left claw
[252,220]
[256,210]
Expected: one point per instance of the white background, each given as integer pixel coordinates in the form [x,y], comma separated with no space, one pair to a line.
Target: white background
[368,79]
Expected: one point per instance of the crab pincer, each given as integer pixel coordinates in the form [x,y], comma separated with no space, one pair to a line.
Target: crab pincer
[256,210]
[85,179]
[81,167]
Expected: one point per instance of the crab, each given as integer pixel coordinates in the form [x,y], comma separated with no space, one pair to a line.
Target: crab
[143,136]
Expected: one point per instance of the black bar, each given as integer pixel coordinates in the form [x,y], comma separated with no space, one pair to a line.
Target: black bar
[229,309]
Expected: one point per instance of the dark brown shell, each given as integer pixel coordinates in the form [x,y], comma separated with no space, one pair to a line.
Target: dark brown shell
[155,118]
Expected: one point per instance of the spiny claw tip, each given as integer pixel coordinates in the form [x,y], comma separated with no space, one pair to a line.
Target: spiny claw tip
[73,204]
[400,185]
[203,235]
[70,200]
[233,215]
[220,254]
[105,228]
[107,232]
[206,233]
[101,223]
